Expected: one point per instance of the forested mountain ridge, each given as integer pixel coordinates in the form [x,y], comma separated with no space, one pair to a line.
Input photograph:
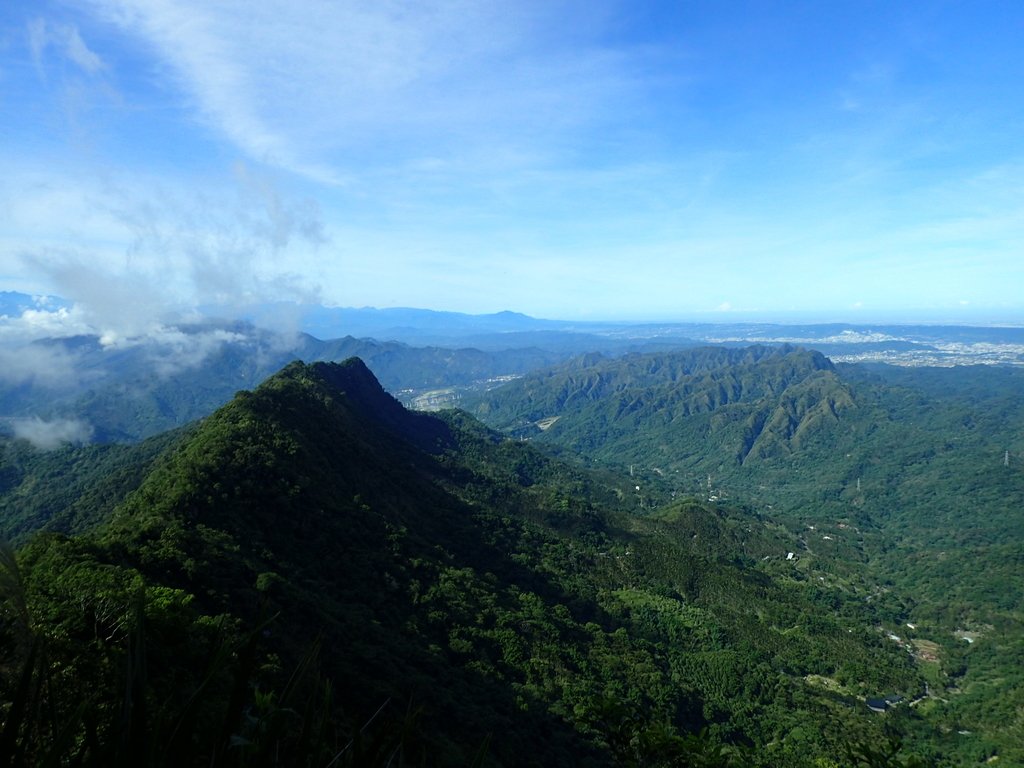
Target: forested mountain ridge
[594,377]
[130,393]
[71,488]
[915,474]
[755,402]
[469,600]
[755,418]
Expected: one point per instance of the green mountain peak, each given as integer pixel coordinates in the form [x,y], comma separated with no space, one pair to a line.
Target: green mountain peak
[314,574]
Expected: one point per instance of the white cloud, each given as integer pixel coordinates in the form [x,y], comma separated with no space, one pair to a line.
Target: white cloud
[269,215]
[48,435]
[67,41]
[76,50]
[306,86]
[26,361]
[51,367]
[171,350]
[134,254]
[38,39]
[118,304]
[138,258]
[478,140]
[40,323]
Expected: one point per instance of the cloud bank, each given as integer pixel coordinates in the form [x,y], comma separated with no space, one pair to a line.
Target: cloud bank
[135,256]
[49,435]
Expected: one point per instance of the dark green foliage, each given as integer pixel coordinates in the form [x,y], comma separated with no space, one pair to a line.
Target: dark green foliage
[314,575]
[904,486]
[73,488]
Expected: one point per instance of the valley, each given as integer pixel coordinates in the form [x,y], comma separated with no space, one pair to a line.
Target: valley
[511,385]
[708,555]
[904,495]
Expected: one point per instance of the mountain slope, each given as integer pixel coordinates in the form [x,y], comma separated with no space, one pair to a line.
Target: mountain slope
[72,488]
[130,393]
[907,477]
[465,596]
[756,402]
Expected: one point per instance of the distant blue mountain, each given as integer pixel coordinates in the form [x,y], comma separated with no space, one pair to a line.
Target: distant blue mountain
[918,344]
[409,323]
[14,304]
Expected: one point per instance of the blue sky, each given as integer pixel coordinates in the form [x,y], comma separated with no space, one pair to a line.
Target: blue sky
[580,160]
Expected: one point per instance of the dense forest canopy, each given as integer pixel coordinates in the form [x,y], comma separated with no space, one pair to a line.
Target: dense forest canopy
[314,573]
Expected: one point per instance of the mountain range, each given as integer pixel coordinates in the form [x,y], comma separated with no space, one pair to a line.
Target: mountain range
[129,393]
[909,475]
[315,574]
[654,553]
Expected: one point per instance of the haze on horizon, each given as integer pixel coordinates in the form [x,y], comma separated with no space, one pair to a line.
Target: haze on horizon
[600,160]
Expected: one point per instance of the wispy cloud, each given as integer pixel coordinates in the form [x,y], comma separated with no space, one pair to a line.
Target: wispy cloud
[44,366]
[319,88]
[66,41]
[528,155]
[48,435]
[133,252]
[171,350]
[138,260]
